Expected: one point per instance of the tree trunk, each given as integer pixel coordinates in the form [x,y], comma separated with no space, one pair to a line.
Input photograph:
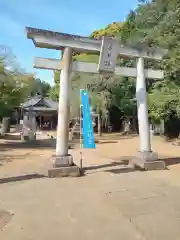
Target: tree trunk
[99,126]
[134,124]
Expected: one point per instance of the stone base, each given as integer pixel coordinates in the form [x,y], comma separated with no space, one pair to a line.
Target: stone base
[30,137]
[63,166]
[148,161]
[62,161]
[71,171]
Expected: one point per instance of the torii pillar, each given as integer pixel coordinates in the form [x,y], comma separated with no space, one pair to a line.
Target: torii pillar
[63,164]
[62,156]
[146,158]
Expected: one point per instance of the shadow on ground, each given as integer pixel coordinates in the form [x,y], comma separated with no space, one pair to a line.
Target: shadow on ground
[124,164]
[48,143]
[44,143]
[168,160]
[21,178]
[105,141]
[171,160]
[112,164]
[115,137]
[95,167]
[122,170]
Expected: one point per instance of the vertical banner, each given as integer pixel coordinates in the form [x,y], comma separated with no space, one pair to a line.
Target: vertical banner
[87,126]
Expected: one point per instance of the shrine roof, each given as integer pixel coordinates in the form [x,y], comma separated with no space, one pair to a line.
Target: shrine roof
[40,103]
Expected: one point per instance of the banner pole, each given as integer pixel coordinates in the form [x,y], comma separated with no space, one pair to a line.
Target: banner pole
[81,157]
[80,110]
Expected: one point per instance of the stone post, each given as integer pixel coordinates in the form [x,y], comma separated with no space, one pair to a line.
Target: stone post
[146,159]
[142,108]
[62,161]
[33,126]
[64,105]
[5,126]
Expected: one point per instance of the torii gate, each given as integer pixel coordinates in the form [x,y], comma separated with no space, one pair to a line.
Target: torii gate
[109,50]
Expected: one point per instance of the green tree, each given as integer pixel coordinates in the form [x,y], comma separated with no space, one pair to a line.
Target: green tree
[54,91]
[16,85]
[153,23]
[10,91]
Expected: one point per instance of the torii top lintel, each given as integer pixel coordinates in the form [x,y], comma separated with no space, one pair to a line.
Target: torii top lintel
[57,40]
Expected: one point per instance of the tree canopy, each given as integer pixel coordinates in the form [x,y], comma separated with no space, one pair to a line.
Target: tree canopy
[16,85]
[154,23]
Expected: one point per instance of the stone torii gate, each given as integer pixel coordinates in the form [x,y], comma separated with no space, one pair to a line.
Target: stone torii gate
[109,50]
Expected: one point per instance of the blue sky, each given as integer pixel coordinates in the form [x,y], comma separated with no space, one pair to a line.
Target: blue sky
[71,16]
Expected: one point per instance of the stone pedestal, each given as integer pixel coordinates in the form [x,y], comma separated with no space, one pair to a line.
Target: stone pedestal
[148,161]
[59,161]
[5,128]
[28,136]
[29,127]
[63,166]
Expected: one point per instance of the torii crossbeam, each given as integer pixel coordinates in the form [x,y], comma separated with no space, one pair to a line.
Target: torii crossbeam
[86,67]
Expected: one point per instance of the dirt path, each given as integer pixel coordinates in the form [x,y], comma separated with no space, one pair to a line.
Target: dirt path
[15,157]
[109,202]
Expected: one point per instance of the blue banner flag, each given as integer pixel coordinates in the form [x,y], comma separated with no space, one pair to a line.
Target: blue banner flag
[87,126]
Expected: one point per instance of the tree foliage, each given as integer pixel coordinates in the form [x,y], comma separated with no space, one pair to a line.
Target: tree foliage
[154,23]
[16,85]
[54,91]
[157,23]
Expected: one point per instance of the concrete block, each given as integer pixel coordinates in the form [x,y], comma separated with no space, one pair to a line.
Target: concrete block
[148,161]
[28,137]
[70,171]
[156,165]
[147,156]
[62,161]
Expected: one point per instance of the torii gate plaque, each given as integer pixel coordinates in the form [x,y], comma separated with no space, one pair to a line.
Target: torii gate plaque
[109,50]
